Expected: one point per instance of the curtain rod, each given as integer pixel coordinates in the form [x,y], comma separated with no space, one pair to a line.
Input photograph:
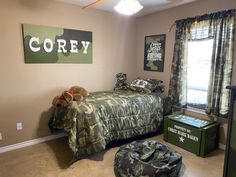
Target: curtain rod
[201,17]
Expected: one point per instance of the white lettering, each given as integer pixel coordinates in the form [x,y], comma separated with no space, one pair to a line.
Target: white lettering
[34,39]
[194,138]
[61,45]
[85,45]
[182,133]
[180,128]
[49,42]
[73,46]
[172,130]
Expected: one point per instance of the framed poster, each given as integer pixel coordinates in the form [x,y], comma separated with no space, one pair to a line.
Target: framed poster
[154,52]
[45,44]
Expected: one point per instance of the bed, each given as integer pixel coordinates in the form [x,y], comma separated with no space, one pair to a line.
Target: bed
[107,116]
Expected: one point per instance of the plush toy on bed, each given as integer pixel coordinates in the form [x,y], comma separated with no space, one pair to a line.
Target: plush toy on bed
[78,93]
[63,100]
[75,93]
[121,82]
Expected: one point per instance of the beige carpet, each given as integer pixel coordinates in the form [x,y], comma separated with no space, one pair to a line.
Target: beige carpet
[51,159]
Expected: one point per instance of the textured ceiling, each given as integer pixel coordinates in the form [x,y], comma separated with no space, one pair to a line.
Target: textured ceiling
[150,6]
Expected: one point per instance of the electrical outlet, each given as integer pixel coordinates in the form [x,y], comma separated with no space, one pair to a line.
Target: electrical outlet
[0,136]
[19,126]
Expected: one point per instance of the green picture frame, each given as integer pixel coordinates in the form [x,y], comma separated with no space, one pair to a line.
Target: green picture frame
[154,52]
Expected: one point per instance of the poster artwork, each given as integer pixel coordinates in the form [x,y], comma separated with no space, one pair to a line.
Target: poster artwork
[154,53]
[44,44]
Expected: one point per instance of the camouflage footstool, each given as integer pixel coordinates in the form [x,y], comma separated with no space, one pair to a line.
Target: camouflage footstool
[147,159]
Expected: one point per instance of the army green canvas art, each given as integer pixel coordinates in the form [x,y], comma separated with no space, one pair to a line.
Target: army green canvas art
[43,44]
[154,53]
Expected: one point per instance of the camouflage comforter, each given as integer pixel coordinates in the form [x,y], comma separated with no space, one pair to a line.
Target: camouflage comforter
[107,116]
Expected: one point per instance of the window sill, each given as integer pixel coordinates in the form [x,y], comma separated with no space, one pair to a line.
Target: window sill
[196,113]
[195,110]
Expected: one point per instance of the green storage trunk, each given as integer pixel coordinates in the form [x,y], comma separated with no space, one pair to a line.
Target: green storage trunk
[195,135]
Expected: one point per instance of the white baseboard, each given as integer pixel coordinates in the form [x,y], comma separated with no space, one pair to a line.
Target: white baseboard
[48,138]
[222,146]
[30,142]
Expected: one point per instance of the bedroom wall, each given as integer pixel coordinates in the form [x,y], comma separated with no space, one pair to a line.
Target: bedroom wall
[27,90]
[160,23]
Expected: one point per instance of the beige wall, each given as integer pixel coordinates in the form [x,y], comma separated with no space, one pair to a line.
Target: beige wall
[28,89]
[160,23]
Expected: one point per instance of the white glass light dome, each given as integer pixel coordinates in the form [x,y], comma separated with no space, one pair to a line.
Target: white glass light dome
[128,7]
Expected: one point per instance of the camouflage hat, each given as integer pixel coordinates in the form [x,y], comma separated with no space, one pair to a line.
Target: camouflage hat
[147,158]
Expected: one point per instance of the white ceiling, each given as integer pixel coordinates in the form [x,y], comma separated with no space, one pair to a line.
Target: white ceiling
[150,6]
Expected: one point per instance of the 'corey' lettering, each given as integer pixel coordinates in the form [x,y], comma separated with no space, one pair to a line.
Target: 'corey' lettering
[61,45]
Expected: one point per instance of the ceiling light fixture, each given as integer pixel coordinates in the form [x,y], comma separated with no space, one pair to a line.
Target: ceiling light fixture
[128,7]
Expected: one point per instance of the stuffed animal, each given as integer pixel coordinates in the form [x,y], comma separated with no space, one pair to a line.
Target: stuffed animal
[121,82]
[78,93]
[75,93]
[63,100]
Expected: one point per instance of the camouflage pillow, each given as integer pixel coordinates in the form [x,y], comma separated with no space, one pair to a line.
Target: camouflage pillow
[154,82]
[157,85]
[146,85]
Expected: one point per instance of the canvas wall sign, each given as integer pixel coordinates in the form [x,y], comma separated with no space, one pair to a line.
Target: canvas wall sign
[154,53]
[43,44]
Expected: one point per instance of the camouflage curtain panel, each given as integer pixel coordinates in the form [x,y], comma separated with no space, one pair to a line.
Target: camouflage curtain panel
[221,27]
[178,80]
[107,116]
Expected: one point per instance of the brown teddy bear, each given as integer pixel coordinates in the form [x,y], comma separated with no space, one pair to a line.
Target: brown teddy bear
[78,93]
[75,93]
[63,100]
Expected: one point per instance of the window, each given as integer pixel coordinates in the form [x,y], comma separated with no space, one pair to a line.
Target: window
[198,72]
[202,63]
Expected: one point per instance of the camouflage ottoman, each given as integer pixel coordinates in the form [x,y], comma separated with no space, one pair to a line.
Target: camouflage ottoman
[148,159]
